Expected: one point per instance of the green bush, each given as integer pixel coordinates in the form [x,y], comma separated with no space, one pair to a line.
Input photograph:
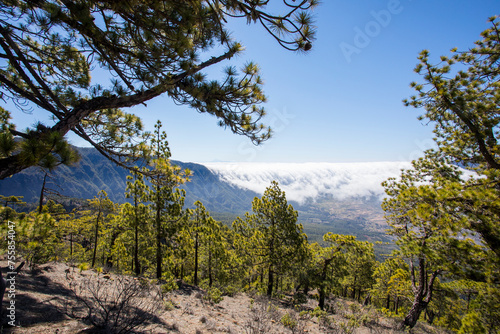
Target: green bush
[83,266]
[170,284]
[471,323]
[289,321]
[213,295]
[168,305]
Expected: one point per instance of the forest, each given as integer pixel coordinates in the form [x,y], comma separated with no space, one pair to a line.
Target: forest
[445,267]
[264,252]
[252,256]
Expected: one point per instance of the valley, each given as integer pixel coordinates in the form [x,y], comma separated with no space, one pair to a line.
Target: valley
[339,198]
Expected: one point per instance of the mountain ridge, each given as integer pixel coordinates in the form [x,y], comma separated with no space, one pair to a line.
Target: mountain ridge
[94,173]
[341,198]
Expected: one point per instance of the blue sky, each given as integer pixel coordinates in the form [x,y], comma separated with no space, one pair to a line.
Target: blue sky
[331,105]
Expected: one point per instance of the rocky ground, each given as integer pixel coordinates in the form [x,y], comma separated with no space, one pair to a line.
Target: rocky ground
[57,298]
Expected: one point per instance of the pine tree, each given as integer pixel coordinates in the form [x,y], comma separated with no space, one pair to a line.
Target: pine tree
[166,198]
[460,95]
[137,212]
[428,233]
[330,264]
[148,48]
[101,206]
[271,235]
[392,283]
[208,245]
[360,267]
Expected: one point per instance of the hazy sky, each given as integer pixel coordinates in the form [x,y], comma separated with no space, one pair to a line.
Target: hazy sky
[341,102]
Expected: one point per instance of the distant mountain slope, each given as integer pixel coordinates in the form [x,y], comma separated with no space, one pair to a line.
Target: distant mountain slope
[94,173]
[341,198]
[84,180]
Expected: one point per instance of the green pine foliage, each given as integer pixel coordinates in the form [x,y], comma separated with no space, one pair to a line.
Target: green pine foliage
[224,260]
[270,237]
[445,224]
[146,49]
[445,269]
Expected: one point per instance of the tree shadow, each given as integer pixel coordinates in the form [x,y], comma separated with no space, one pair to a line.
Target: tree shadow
[187,289]
[26,310]
[41,298]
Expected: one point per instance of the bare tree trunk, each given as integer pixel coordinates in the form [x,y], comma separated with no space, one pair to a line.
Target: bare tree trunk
[367,300]
[322,297]
[159,259]
[109,258]
[270,282]
[414,313]
[136,252]
[322,288]
[96,236]
[71,245]
[136,239]
[210,279]
[422,292]
[158,252]
[196,245]
[42,193]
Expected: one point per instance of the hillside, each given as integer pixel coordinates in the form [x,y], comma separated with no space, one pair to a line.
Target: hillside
[341,198]
[54,297]
[94,173]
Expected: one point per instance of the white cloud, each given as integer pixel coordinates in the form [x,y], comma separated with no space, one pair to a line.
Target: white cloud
[302,181]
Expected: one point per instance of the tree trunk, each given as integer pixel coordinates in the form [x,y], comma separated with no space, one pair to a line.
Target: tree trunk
[71,245]
[414,314]
[136,239]
[96,236]
[210,279]
[270,282]
[109,259]
[322,295]
[196,259]
[42,193]
[423,293]
[136,252]
[322,287]
[158,245]
[367,300]
[430,316]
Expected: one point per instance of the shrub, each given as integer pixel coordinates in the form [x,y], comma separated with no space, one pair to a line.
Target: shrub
[299,298]
[213,295]
[289,321]
[120,305]
[471,323]
[83,266]
[168,305]
[170,284]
